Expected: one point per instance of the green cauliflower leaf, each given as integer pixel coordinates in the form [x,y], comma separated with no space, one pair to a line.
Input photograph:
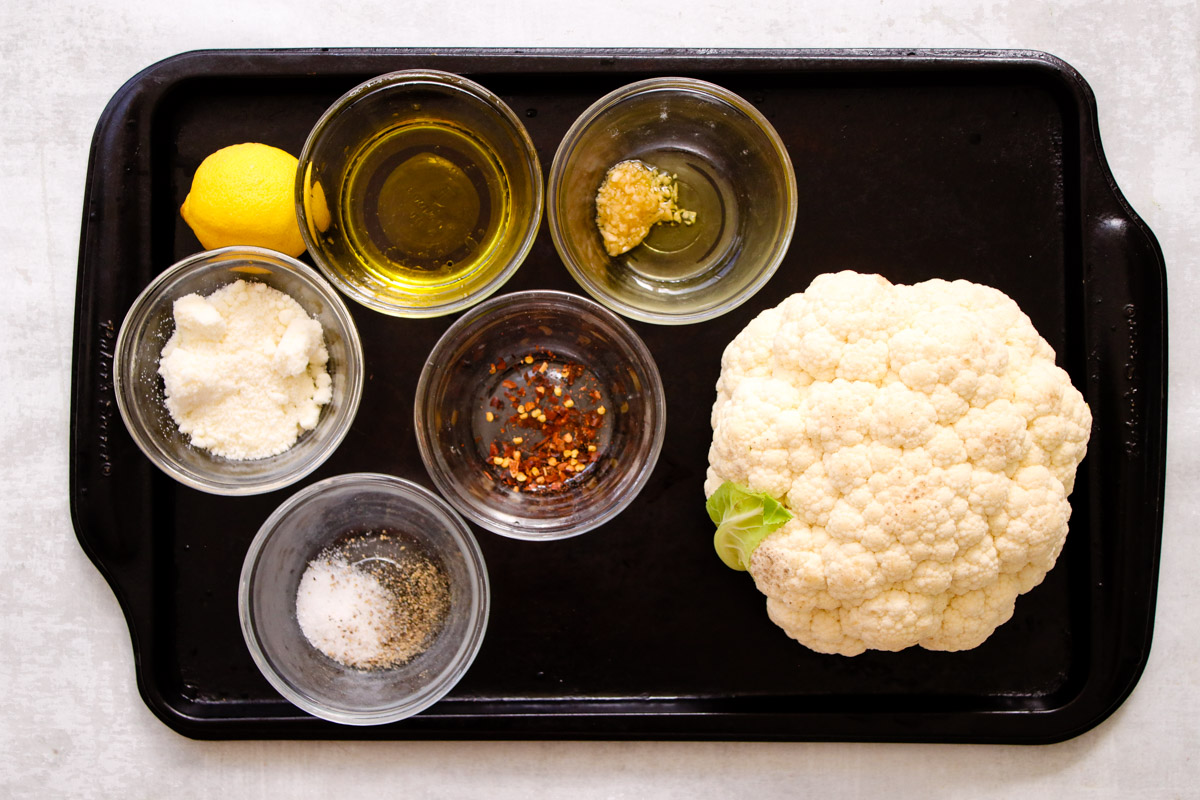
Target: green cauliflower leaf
[743,519]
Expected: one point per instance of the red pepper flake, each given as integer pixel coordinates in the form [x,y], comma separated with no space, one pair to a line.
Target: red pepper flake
[525,462]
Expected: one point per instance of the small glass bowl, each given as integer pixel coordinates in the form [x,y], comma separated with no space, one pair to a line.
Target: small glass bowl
[139,388]
[730,167]
[419,193]
[490,359]
[328,514]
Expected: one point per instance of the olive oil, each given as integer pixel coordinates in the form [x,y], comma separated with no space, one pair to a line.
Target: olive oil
[689,254]
[426,205]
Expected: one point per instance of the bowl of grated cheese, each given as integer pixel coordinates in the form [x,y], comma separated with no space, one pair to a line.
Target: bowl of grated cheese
[364,599]
[238,371]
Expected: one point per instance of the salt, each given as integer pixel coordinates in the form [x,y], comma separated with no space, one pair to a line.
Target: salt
[345,613]
[373,601]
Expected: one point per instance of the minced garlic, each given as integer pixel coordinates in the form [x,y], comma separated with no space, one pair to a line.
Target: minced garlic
[633,198]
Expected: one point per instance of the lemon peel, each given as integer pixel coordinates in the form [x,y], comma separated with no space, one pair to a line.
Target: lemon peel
[243,194]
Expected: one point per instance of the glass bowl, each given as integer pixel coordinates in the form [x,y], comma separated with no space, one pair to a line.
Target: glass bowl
[372,525]
[602,415]
[730,168]
[419,193]
[139,388]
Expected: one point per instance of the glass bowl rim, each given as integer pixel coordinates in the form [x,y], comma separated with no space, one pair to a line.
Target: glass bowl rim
[439,78]
[155,291]
[652,387]
[566,148]
[468,649]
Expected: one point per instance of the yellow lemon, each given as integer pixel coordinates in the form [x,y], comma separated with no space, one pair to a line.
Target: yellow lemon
[315,207]
[244,195]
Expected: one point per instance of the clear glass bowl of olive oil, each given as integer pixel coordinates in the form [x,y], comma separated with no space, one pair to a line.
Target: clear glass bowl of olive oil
[419,193]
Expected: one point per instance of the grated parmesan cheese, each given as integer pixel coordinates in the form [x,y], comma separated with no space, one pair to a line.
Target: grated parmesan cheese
[245,373]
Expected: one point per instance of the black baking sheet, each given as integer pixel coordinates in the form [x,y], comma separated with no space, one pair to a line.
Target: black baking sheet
[914,164]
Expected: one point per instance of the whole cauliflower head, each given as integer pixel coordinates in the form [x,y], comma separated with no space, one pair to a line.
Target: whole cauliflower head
[925,443]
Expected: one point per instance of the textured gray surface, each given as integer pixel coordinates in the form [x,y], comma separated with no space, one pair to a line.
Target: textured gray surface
[72,723]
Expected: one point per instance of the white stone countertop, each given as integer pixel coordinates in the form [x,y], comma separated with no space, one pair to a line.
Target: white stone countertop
[71,721]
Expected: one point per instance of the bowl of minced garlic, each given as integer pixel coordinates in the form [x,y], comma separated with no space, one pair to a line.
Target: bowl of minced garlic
[671,200]
[363,599]
[238,371]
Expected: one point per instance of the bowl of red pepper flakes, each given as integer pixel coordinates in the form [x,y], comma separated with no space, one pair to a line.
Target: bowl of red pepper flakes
[540,415]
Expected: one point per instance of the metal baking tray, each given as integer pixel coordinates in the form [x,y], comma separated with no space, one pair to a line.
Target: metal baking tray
[915,164]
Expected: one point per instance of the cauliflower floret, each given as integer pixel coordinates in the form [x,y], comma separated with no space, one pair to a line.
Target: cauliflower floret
[925,443]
